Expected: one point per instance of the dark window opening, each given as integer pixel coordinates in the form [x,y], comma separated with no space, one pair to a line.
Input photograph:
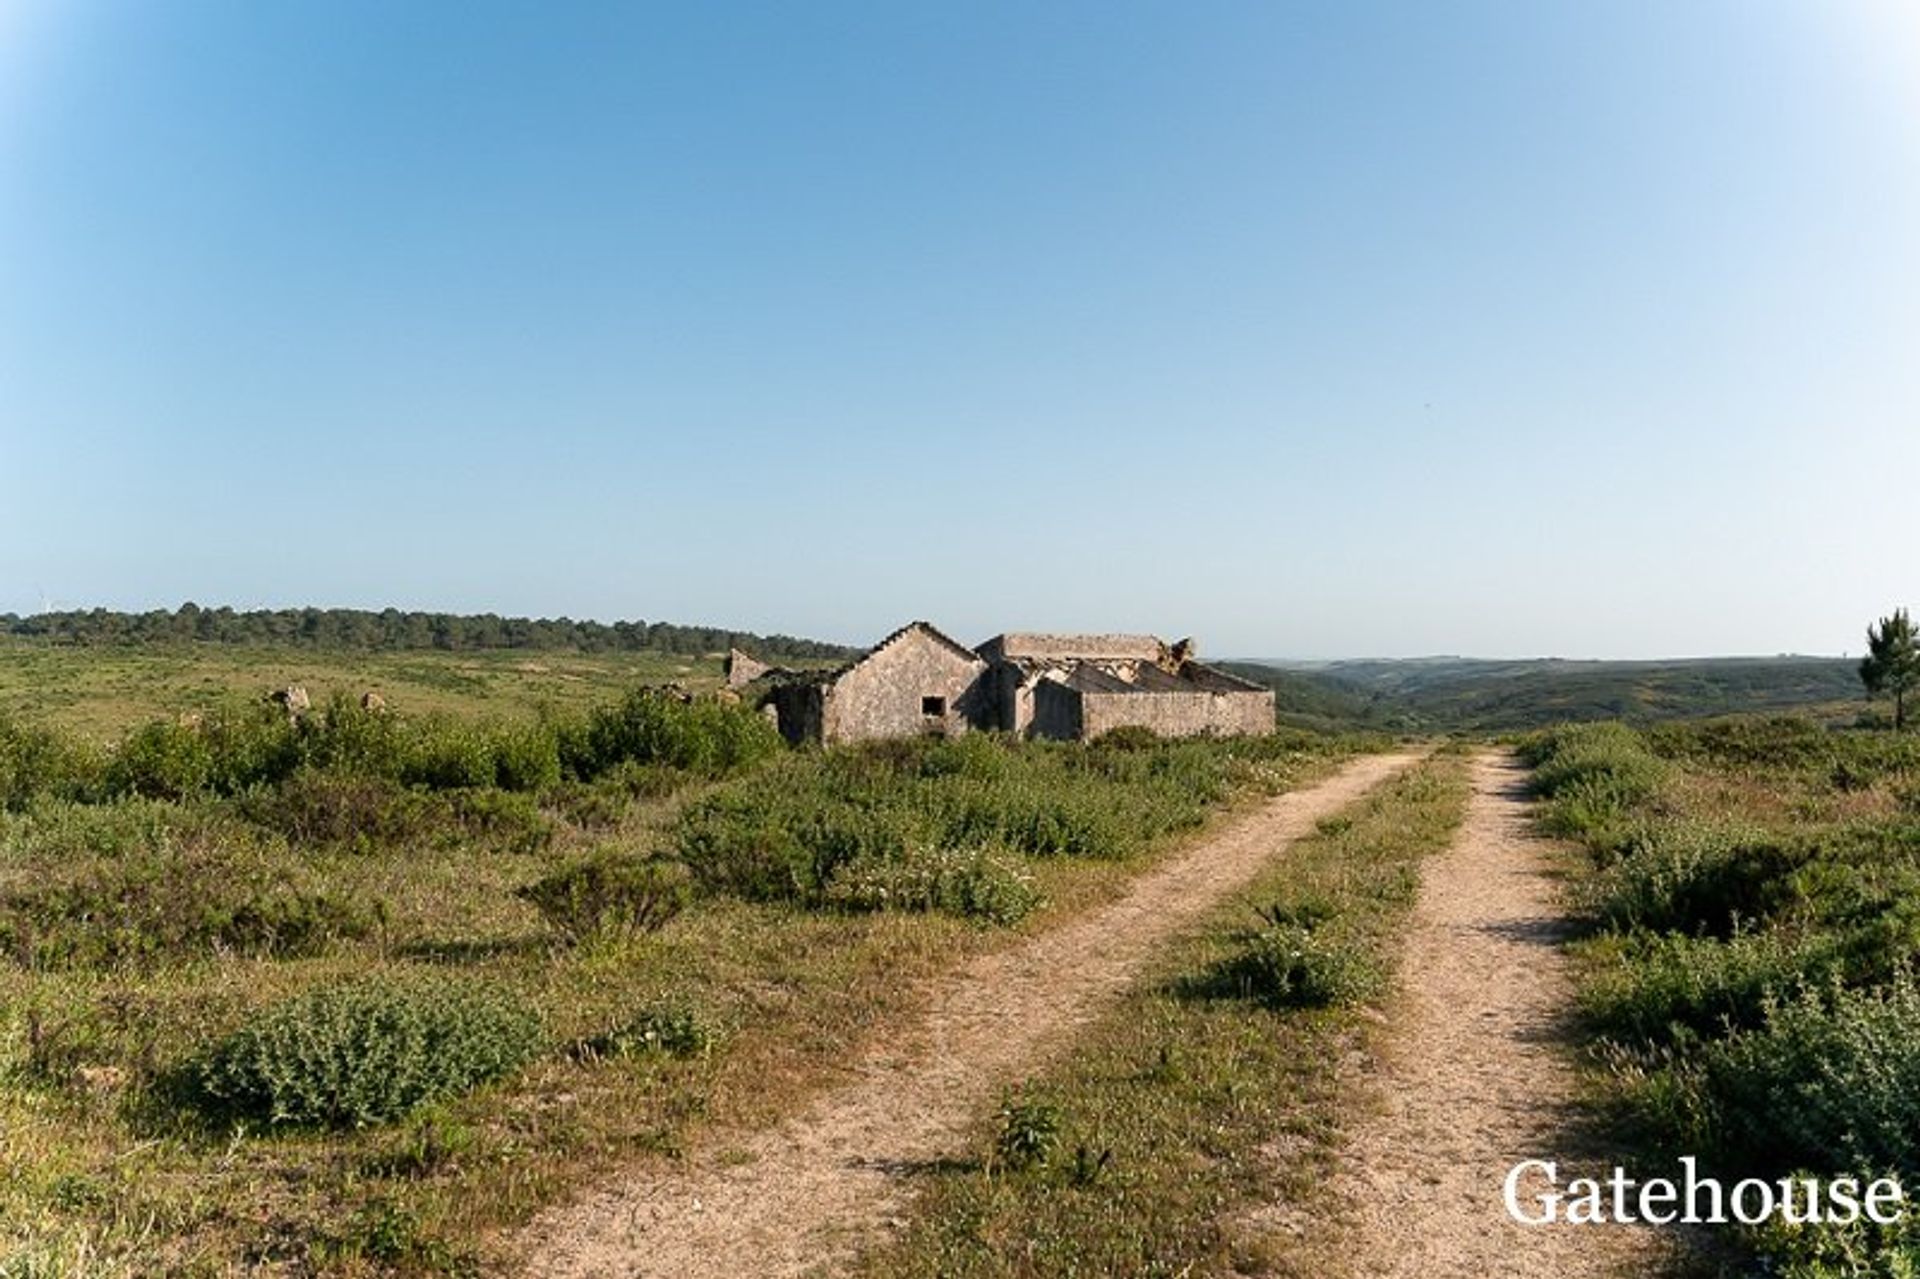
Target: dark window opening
[933,706]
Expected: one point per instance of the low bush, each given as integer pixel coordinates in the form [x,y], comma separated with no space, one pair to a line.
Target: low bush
[357,810]
[1029,1135]
[1593,777]
[971,883]
[1058,826]
[1696,877]
[1752,986]
[786,833]
[1128,737]
[704,736]
[506,820]
[55,834]
[1290,966]
[611,891]
[783,835]
[250,746]
[1665,988]
[350,738]
[162,760]
[448,755]
[1830,1081]
[526,757]
[365,1053]
[37,762]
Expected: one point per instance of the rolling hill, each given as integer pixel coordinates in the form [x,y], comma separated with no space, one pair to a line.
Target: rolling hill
[1490,695]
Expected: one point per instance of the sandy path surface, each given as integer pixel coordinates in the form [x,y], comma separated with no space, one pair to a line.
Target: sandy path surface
[1477,1076]
[796,1199]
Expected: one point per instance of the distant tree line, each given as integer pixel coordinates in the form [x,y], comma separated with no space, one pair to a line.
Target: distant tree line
[354,628]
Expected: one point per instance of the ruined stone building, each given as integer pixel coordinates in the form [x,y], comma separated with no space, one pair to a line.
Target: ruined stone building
[1070,687]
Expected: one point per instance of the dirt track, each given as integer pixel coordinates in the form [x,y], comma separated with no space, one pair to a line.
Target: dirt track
[807,1192]
[1476,1077]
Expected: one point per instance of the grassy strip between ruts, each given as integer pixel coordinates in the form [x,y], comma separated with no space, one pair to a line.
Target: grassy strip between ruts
[1191,1125]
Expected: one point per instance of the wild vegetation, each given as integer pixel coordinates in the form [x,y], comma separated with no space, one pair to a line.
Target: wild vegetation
[1749,984]
[342,994]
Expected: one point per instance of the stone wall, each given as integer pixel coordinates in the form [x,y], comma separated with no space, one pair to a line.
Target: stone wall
[885,694]
[1177,714]
[743,669]
[1054,711]
[1009,699]
[1051,648]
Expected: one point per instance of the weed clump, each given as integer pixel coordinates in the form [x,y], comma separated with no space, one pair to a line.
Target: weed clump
[972,883]
[672,1028]
[1029,1135]
[366,1053]
[1287,965]
[611,892]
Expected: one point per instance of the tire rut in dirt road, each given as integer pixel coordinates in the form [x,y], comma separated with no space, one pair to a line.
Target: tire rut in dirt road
[1478,1074]
[806,1193]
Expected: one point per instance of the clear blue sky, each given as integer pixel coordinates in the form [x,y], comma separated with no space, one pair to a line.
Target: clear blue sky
[1589,329]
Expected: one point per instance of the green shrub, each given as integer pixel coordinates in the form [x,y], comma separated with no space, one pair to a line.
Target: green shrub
[980,756]
[348,737]
[366,1053]
[875,820]
[1056,826]
[1830,1081]
[1288,966]
[507,820]
[1593,777]
[357,810]
[162,760]
[448,755]
[36,762]
[1697,877]
[611,891]
[1307,912]
[672,1028]
[1128,737]
[526,757]
[1661,988]
[250,746]
[972,883]
[1029,1135]
[1863,1249]
[704,736]
[56,834]
[770,839]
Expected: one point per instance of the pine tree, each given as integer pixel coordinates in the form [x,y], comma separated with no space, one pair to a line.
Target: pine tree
[1892,663]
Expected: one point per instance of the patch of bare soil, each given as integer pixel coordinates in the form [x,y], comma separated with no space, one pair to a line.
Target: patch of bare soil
[1477,1074]
[797,1199]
